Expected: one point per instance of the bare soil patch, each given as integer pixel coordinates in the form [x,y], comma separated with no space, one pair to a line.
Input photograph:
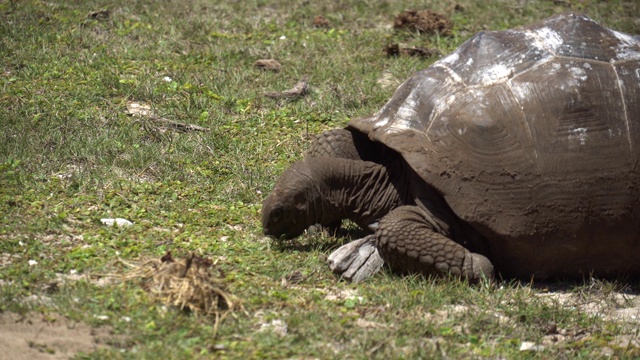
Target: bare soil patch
[615,306]
[37,336]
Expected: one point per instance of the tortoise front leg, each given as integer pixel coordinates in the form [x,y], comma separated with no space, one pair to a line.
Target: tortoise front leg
[409,242]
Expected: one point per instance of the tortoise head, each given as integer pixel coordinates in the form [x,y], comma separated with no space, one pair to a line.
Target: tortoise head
[288,211]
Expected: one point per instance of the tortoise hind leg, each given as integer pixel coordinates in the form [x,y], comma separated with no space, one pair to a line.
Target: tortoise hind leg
[409,242]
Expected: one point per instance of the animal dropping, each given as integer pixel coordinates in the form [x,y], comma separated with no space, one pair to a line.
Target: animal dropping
[517,154]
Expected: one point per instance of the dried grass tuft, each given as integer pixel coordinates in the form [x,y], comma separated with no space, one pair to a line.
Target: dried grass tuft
[192,283]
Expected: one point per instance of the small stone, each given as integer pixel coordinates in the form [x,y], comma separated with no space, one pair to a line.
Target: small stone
[117,221]
[276,326]
[218,347]
[530,346]
[606,352]
[38,300]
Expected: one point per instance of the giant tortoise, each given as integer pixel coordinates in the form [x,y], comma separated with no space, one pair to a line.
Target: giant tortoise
[518,153]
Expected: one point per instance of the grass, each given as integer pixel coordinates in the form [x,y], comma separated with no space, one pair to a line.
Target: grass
[70,155]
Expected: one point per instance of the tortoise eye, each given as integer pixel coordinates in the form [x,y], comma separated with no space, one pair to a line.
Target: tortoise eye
[276,214]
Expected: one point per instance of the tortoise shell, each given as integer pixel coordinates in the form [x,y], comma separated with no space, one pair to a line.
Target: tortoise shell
[532,136]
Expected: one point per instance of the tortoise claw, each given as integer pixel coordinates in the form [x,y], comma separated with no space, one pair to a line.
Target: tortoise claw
[357,260]
[478,267]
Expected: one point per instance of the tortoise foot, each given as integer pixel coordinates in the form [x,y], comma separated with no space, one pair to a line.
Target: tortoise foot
[477,267]
[357,260]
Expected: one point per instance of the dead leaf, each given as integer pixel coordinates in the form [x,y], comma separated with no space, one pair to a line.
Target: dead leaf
[294,278]
[268,64]
[141,109]
[99,15]
[366,324]
[321,22]
[298,90]
[135,108]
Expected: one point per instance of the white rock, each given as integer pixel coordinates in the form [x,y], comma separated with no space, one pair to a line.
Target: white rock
[38,300]
[117,221]
[276,326]
[530,346]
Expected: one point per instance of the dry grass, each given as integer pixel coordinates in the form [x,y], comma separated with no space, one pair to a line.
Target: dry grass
[192,283]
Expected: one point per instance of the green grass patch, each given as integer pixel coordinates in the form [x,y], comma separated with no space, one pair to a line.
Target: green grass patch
[70,155]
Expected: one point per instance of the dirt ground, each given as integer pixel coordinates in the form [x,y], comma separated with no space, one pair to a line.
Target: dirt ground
[37,336]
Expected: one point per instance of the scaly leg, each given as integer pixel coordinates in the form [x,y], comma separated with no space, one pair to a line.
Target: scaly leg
[408,241]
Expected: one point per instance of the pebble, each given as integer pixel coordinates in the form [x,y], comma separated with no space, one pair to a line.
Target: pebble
[117,221]
[530,346]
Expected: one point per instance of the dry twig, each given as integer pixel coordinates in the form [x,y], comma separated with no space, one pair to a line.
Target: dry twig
[298,90]
[142,109]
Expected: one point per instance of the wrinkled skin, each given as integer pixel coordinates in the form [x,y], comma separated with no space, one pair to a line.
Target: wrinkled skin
[318,190]
[282,217]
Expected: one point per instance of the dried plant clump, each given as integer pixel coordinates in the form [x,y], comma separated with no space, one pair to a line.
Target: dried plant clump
[192,284]
[321,22]
[423,21]
[421,52]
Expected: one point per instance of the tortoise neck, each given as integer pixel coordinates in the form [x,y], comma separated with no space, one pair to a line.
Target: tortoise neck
[360,191]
